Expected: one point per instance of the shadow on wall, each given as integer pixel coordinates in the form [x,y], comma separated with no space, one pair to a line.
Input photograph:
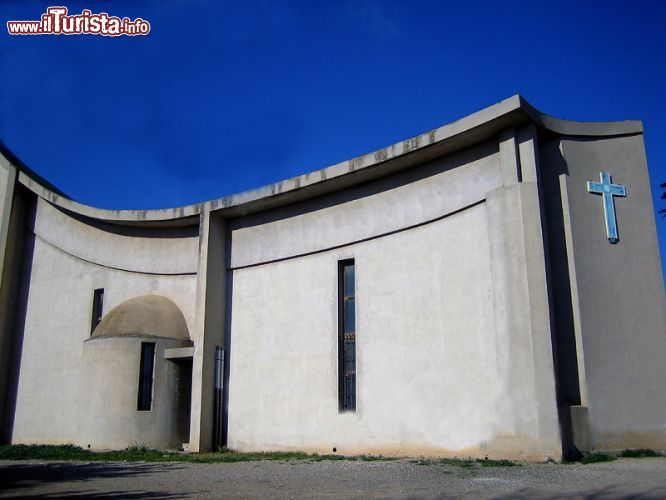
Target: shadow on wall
[565,359]
[21,479]
[222,436]
[182,228]
[22,234]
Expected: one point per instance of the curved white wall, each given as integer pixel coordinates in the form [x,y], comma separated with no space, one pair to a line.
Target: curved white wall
[58,315]
[145,249]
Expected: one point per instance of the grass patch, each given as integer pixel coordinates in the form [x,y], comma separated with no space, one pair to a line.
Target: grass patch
[143,454]
[228,456]
[420,461]
[466,463]
[497,463]
[374,458]
[594,458]
[640,454]
[39,452]
[70,452]
[454,462]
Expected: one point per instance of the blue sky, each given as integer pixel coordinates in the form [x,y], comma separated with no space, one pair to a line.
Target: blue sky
[224,96]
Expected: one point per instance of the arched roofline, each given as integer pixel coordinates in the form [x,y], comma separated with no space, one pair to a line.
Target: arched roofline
[482,125]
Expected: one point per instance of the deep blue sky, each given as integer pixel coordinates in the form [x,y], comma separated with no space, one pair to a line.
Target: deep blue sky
[225,96]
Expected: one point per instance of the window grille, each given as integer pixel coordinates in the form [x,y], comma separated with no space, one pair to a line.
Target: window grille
[347,335]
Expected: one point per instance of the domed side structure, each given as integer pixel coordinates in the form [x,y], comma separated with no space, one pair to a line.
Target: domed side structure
[145,316]
[133,392]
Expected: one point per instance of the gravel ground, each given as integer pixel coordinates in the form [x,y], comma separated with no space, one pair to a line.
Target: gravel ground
[624,478]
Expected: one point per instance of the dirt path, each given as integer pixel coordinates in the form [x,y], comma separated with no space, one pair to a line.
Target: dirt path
[626,478]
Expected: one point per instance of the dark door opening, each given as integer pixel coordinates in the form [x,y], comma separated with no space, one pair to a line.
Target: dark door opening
[183,398]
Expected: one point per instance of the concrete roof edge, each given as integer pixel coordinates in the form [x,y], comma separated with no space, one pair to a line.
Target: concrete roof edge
[580,128]
[14,160]
[514,111]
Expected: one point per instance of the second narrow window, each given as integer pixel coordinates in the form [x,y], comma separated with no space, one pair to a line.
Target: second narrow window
[97,308]
[347,335]
[145,398]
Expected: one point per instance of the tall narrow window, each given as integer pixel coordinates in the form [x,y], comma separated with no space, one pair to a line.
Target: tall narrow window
[97,308]
[346,336]
[145,399]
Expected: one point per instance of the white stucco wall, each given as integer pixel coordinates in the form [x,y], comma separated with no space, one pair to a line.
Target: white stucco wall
[426,371]
[153,251]
[58,321]
[412,197]
[453,346]
[110,419]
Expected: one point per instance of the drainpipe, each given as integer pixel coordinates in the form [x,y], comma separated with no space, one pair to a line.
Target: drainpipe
[217,409]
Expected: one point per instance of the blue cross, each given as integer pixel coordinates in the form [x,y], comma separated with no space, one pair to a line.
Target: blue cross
[607,190]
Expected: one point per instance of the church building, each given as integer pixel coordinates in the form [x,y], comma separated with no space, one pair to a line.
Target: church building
[492,287]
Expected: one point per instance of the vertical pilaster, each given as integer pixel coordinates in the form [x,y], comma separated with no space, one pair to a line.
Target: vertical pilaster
[8,275]
[527,154]
[210,328]
[520,295]
[575,302]
[509,159]
[7,181]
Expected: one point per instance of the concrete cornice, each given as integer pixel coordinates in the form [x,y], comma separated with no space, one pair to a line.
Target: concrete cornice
[475,128]
[577,128]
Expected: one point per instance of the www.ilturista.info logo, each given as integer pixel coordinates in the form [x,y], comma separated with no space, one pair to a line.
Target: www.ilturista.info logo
[55,21]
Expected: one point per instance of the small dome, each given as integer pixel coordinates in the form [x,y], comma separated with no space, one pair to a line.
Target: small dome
[145,316]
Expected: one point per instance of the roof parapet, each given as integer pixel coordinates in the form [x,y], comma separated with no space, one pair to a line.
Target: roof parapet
[461,133]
